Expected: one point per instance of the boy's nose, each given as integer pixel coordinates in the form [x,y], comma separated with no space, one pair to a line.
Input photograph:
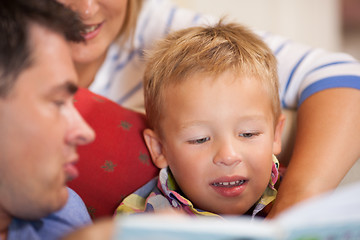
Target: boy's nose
[227,154]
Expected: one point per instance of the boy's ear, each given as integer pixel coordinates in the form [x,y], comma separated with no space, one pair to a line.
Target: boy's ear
[278,133]
[155,147]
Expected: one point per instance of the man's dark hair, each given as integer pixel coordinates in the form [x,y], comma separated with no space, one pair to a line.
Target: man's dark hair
[15,19]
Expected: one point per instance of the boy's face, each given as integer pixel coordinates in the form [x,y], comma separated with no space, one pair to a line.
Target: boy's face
[218,140]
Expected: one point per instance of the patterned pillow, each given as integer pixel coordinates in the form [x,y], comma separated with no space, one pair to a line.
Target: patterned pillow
[117,162]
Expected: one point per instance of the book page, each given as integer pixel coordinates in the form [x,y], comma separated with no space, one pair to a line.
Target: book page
[176,227]
[334,215]
[331,216]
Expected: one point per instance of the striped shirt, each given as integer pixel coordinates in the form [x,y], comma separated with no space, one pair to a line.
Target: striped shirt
[302,70]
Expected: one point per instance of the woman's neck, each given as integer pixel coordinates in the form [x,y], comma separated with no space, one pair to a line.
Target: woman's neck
[87,71]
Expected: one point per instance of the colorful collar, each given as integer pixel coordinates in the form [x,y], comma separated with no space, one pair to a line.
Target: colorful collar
[169,188]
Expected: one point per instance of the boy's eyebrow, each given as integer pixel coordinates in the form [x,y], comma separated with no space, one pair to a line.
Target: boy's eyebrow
[192,123]
[243,119]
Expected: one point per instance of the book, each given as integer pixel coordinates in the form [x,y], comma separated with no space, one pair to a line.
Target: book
[331,216]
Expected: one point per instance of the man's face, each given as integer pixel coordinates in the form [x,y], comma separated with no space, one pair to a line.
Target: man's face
[40,129]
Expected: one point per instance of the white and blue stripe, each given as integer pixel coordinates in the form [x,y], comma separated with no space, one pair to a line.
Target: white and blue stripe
[302,70]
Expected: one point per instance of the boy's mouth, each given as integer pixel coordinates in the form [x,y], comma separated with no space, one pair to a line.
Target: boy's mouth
[229,184]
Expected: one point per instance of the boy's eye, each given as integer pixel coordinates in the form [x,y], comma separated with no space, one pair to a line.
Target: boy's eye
[200,140]
[248,135]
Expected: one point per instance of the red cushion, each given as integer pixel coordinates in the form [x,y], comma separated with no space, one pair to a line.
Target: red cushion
[117,162]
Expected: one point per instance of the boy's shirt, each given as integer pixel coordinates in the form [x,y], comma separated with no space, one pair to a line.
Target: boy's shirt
[162,193]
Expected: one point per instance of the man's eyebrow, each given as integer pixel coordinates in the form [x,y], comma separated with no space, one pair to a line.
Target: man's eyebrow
[69,87]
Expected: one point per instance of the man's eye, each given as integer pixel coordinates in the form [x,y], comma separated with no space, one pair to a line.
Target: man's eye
[200,140]
[59,103]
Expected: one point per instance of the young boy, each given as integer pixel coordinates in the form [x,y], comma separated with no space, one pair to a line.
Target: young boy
[211,99]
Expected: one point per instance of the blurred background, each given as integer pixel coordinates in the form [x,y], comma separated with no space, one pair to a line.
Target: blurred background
[330,24]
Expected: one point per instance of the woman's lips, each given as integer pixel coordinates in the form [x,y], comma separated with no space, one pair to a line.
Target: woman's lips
[229,186]
[91,31]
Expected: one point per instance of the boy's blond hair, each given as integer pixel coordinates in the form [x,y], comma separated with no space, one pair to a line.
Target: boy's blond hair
[210,51]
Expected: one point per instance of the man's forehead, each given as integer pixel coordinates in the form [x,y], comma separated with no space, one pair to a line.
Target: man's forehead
[51,59]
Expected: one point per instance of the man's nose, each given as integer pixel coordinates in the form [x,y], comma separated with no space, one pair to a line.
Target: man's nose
[80,133]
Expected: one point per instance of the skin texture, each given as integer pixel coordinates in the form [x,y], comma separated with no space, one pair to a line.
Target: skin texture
[107,16]
[214,135]
[328,120]
[40,129]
